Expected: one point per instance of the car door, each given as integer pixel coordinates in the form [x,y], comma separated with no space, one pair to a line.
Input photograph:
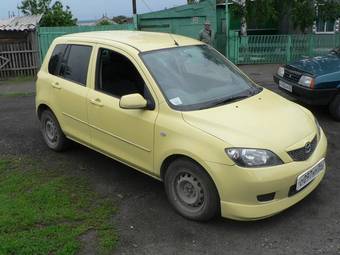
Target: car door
[69,94]
[127,135]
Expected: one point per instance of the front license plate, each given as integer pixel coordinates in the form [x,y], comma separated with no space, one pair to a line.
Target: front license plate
[286,86]
[308,176]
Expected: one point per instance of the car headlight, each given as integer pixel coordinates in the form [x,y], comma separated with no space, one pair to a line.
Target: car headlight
[306,81]
[253,157]
[281,71]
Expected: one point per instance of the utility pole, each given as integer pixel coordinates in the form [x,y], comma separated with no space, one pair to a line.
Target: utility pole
[134,11]
[134,7]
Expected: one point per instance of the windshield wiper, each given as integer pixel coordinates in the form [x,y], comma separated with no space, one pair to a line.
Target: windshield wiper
[230,100]
[234,98]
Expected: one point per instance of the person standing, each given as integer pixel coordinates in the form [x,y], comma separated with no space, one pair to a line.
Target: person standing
[206,34]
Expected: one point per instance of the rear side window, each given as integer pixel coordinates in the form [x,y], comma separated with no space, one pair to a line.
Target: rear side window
[56,58]
[75,65]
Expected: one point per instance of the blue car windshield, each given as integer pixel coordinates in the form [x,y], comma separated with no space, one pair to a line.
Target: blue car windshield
[197,77]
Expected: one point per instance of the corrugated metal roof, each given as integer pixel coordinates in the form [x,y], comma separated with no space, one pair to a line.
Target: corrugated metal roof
[20,23]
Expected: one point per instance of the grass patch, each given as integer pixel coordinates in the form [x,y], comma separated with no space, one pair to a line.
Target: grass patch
[16,80]
[17,94]
[45,212]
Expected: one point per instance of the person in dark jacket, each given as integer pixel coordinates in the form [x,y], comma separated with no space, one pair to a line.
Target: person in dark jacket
[206,34]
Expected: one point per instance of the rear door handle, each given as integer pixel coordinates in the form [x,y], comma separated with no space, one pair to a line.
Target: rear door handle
[96,102]
[56,85]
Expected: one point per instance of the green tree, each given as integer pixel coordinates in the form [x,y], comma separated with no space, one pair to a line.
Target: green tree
[34,7]
[104,23]
[58,16]
[302,13]
[53,16]
[328,10]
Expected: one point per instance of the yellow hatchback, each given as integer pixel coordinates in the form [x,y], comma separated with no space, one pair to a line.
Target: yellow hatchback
[176,109]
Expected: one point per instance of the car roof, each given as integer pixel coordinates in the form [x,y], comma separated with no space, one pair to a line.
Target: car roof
[141,41]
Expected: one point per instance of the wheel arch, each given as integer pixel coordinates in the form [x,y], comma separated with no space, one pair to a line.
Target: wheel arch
[42,107]
[171,158]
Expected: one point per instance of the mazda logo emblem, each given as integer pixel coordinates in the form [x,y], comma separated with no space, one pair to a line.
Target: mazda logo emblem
[308,148]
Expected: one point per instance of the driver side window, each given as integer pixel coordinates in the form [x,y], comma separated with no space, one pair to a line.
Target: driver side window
[117,76]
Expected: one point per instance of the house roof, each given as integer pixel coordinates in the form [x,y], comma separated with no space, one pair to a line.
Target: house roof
[23,23]
[104,18]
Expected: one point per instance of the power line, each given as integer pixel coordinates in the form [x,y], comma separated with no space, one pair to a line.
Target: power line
[147,6]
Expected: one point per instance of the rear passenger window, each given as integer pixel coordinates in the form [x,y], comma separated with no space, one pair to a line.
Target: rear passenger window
[56,58]
[76,64]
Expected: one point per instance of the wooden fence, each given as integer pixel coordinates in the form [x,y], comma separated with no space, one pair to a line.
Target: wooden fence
[19,58]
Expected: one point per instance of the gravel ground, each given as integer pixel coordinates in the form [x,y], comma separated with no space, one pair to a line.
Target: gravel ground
[148,225]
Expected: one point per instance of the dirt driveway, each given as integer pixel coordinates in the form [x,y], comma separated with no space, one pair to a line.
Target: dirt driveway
[148,225]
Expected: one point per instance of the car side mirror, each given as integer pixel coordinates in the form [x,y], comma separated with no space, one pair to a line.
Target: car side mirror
[133,102]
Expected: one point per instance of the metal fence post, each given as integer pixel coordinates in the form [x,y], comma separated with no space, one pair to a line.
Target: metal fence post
[288,49]
[233,46]
[227,28]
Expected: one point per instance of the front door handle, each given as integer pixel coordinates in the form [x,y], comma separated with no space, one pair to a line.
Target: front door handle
[56,85]
[96,102]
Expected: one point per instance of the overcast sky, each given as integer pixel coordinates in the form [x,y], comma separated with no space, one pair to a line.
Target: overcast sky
[94,9]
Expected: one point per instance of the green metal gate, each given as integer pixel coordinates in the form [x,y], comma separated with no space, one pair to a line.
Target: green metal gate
[279,49]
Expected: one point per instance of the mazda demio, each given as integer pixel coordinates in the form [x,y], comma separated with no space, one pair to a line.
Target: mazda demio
[174,108]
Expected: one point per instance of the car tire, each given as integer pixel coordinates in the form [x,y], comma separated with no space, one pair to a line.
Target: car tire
[52,133]
[191,191]
[334,108]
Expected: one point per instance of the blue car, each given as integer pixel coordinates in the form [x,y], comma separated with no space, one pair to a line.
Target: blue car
[313,81]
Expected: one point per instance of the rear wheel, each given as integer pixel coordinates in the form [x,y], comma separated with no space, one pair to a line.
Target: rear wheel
[334,108]
[191,191]
[51,131]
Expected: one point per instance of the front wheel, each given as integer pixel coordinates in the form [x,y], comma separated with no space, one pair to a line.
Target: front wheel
[51,131]
[334,108]
[191,191]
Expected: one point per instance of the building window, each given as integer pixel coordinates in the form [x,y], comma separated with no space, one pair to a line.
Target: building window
[325,27]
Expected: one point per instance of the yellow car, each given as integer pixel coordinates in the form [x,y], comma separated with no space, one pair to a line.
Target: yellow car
[176,109]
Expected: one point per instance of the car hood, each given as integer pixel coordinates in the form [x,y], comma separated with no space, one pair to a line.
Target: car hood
[266,121]
[318,65]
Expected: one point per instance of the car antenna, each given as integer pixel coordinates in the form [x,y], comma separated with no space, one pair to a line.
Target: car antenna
[173,38]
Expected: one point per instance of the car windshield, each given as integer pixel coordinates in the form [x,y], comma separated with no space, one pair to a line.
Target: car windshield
[197,77]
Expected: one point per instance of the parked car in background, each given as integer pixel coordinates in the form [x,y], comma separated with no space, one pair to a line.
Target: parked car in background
[314,81]
[174,108]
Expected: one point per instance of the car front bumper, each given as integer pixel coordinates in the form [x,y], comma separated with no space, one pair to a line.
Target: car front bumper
[307,95]
[239,188]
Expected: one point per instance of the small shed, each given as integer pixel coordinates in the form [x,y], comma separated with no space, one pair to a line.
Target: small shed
[19,49]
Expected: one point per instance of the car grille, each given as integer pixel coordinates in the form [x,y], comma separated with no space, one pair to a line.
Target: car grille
[305,152]
[292,75]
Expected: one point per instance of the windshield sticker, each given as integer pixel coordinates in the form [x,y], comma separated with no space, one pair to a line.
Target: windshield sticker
[176,101]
